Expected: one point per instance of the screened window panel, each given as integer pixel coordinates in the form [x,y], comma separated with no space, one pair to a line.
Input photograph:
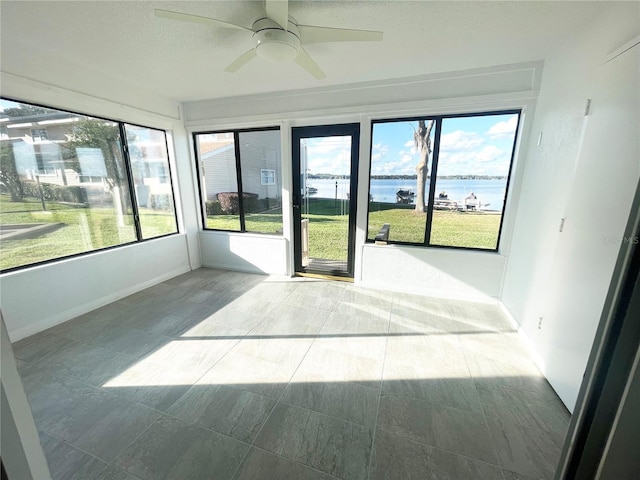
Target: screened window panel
[393,184]
[473,170]
[152,181]
[219,181]
[261,181]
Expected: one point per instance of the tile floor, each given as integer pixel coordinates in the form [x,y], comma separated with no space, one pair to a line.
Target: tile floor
[224,375]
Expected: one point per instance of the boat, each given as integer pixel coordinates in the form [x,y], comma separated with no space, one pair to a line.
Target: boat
[405,195]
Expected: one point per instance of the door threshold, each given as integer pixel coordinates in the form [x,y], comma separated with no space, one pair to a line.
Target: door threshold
[324,277]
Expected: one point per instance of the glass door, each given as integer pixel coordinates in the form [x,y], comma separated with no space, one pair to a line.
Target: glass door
[325,180]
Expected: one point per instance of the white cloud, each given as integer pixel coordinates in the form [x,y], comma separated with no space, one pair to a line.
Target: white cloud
[490,160]
[404,165]
[327,145]
[410,143]
[504,128]
[337,163]
[489,153]
[378,152]
[460,141]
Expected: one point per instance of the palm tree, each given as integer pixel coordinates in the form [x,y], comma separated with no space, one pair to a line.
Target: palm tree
[422,139]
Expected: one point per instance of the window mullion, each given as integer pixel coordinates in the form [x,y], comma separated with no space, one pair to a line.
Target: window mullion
[236,144]
[432,180]
[130,182]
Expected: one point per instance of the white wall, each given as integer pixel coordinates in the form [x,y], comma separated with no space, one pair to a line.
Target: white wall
[569,297]
[440,271]
[459,274]
[246,252]
[39,297]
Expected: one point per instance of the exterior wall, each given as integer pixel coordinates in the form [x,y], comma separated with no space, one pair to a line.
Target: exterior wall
[262,152]
[220,172]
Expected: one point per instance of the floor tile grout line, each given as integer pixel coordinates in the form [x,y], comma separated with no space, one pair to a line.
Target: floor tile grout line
[474,380]
[106,462]
[281,396]
[484,416]
[131,443]
[231,348]
[294,461]
[80,449]
[375,424]
[161,412]
[274,406]
[382,429]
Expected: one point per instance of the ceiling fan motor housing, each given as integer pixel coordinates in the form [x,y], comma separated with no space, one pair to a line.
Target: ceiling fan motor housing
[273,42]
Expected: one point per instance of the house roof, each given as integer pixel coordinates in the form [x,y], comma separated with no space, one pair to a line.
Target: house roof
[206,147]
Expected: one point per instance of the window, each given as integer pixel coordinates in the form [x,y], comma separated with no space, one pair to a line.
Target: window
[39,134]
[442,180]
[149,162]
[240,181]
[267,177]
[70,191]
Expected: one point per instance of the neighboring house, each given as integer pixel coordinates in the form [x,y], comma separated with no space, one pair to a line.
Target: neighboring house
[260,165]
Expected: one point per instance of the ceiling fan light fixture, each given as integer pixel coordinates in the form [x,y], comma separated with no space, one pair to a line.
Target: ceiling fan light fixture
[277,45]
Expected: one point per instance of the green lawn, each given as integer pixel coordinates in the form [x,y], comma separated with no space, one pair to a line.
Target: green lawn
[85,229]
[328,226]
[449,228]
[82,229]
[265,222]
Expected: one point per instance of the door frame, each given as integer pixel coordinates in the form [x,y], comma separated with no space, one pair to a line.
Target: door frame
[315,131]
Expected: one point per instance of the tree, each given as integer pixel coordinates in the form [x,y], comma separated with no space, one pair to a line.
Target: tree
[422,139]
[8,173]
[106,137]
[25,111]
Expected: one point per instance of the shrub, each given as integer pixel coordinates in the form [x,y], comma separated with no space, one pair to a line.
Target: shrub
[56,193]
[160,201]
[229,202]
[213,207]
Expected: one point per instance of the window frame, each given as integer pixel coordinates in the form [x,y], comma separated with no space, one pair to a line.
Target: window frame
[129,182]
[238,165]
[433,174]
[268,173]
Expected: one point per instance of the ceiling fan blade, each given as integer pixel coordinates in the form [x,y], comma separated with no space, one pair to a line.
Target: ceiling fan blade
[305,61]
[240,61]
[185,17]
[278,11]
[312,34]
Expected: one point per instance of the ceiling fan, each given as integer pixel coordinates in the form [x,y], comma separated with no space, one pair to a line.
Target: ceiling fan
[278,37]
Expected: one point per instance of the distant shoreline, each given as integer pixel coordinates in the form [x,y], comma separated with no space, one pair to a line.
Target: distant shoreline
[329,176]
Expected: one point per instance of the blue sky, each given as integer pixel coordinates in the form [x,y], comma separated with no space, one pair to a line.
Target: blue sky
[469,145]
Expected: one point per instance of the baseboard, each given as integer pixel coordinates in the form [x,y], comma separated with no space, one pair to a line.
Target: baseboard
[236,268]
[537,359]
[67,315]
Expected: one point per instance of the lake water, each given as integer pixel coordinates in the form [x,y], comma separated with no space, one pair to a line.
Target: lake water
[487,191]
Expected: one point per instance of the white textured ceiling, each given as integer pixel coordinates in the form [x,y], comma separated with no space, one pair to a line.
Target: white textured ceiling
[102,47]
